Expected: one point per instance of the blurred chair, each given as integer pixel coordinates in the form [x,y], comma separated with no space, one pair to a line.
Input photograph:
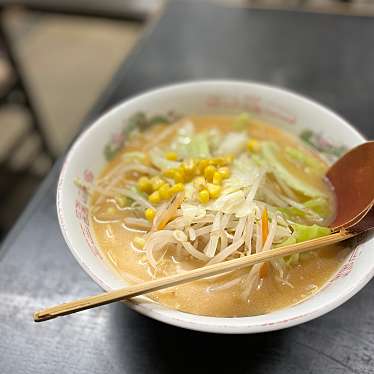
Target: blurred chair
[127,10]
[15,91]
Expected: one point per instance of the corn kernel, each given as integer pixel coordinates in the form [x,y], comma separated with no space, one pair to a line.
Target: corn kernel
[149,214]
[209,172]
[154,197]
[189,164]
[189,169]
[202,165]
[164,191]
[157,182]
[253,145]
[204,196]
[178,176]
[178,187]
[217,178]
[199,183]
[214,190]
[171,156]
[224,171]
[229,159]
[121,201]
[145,185]
[187,175]
[139,242]
[169,173]
[220,161]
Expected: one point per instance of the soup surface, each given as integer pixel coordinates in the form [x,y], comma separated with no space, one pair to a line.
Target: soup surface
[232,186]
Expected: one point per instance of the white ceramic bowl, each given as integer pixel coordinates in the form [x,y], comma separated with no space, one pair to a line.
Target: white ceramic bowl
[281,108]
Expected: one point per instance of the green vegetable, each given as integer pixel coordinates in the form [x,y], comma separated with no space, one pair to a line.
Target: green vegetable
[307,160]
[319,205]
[293,260]
[158,119]
[139,120]
[198,147]
[292,212]
[269,151]
[317,142]
[136,121]
[241,122]
[110,151]
[259,160]
[302,233]
[190,145]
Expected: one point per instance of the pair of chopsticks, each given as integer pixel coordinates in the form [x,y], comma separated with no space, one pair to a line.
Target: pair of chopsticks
[174,280]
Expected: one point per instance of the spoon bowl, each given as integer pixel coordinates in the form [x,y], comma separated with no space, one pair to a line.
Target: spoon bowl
[352,178]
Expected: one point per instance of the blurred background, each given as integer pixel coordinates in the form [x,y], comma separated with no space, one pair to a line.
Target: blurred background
[56,58]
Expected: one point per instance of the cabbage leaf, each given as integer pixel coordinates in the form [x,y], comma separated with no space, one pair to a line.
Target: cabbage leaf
[309,161]
[302,233]
[241,122]
[269,152]
[233,143]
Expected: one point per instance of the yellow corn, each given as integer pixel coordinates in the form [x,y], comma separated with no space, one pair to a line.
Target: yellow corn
[164,191]
[154,197]
[202,165]
[209,172]
[171,156]
[219,161]
[139,242]
[204,196]
[217,178]
[145,185]
[253,145]
[169,173]
[214,190]
[149,214]
[157,182]
[229,159]
[178,176]
[178,187]
[189,164]
[224,171]
[199,183]
[189,169]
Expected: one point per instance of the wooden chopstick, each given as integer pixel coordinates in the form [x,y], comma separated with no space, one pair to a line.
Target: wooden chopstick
[159,284]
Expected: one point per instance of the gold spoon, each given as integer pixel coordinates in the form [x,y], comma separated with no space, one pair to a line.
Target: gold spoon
[352,178]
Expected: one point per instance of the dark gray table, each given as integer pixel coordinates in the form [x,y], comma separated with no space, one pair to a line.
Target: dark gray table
[327,57]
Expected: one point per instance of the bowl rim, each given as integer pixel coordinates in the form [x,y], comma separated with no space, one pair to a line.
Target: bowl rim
[182,319]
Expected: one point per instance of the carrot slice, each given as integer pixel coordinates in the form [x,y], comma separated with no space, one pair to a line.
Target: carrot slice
[264,225]
[264,270]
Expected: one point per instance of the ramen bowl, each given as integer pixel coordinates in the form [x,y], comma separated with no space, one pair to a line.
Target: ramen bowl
[318,126]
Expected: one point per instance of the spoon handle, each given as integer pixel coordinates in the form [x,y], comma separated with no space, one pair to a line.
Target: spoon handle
[159,284]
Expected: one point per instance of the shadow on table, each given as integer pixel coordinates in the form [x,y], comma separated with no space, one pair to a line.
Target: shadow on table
[176,350]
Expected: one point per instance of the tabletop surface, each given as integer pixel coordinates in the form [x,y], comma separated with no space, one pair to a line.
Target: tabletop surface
[327,57]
